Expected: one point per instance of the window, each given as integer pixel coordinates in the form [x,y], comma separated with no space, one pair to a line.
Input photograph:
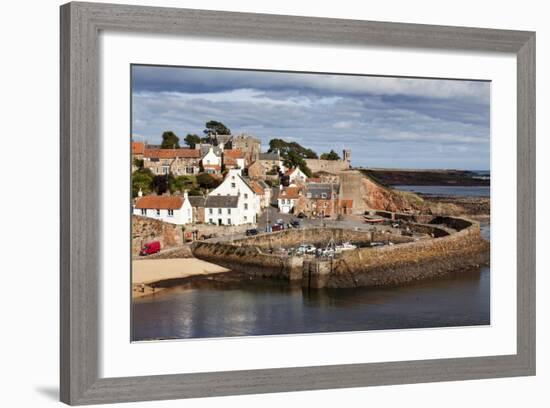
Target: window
[245,206]
[324,195]
[245,196]
[158,212]
[229,221]
[245,218]
[229,211]
[144,211]
[233,185]
[219,210]
[170,213]
[211,221]
[210,211]
[232,177]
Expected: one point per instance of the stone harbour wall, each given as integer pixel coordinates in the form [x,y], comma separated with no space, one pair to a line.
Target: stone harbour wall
[398,264]
[250,260]
[406,261]
[293,237]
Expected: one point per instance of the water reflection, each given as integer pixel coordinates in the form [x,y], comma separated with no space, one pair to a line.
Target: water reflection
[225,309]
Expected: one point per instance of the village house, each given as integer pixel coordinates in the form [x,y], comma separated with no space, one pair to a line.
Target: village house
[223,210]
[321,200]
[265,192]
[295,176]
[248,203]
[175,161]
[271,161]
[233,159]
[138,148]
[172,209]
[197,203]
[256,171]
[249,145]
[212,161]
[287,199]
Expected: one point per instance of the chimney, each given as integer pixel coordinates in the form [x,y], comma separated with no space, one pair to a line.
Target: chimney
[140,193]
[185,195]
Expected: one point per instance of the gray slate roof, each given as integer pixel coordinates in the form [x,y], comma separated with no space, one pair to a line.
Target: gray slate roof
[196,201]
[269,156]
[318,189]
[221,201]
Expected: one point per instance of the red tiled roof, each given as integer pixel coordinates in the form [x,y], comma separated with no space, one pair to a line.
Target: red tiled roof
[213,166]
[257,188]
[160,202]
[229,161]
[138,147]
[290,192]
[233,153]
[172,153]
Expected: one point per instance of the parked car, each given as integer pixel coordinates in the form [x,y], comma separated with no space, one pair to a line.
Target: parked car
[279,221]
[150,248]
[276,227]
[251,231]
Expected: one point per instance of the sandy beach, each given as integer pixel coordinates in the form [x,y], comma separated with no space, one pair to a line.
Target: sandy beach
[145,272]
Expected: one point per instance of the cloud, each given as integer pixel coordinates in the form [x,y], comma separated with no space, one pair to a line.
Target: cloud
[385,121]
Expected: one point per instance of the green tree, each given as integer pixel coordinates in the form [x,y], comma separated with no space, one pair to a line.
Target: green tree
[170,140]
[284,147]
[181,183]
[332,155]
[293,159]
[192,140]
[138,163]
[215,127]
[142,179]
[205,180]
[161,184]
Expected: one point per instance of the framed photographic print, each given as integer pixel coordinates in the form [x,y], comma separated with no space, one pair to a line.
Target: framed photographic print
[285,202]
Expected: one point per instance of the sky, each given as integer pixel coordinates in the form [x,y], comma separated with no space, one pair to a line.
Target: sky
[385,121]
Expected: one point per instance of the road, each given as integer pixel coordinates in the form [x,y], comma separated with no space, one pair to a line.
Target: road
[271,215]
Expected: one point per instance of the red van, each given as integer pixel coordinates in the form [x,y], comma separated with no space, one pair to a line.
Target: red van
[150,248]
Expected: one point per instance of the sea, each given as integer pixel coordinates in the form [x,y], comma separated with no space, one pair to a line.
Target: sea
[223,309]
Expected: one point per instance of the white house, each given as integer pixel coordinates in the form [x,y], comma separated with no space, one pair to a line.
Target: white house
[172,209]
[296,176]
[248,201]
[211,162]
[222,210]
[287,199]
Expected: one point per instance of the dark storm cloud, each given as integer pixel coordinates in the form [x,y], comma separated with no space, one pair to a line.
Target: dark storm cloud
[385,121]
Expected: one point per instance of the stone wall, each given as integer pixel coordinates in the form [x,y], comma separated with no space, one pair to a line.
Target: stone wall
[146,229]
[250,260]
[398,264]
[330,166]
[408,260]
[294,237]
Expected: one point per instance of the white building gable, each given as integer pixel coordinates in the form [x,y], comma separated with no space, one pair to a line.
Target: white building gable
[211,158]
[172,209]
[248,202]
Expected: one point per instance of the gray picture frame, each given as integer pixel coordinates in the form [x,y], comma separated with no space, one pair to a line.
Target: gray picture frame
[81,24]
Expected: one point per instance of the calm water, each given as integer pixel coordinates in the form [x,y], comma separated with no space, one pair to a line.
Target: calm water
[216,309]
[461,191]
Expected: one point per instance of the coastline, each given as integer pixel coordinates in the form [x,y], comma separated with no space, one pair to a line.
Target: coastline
[150,276]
